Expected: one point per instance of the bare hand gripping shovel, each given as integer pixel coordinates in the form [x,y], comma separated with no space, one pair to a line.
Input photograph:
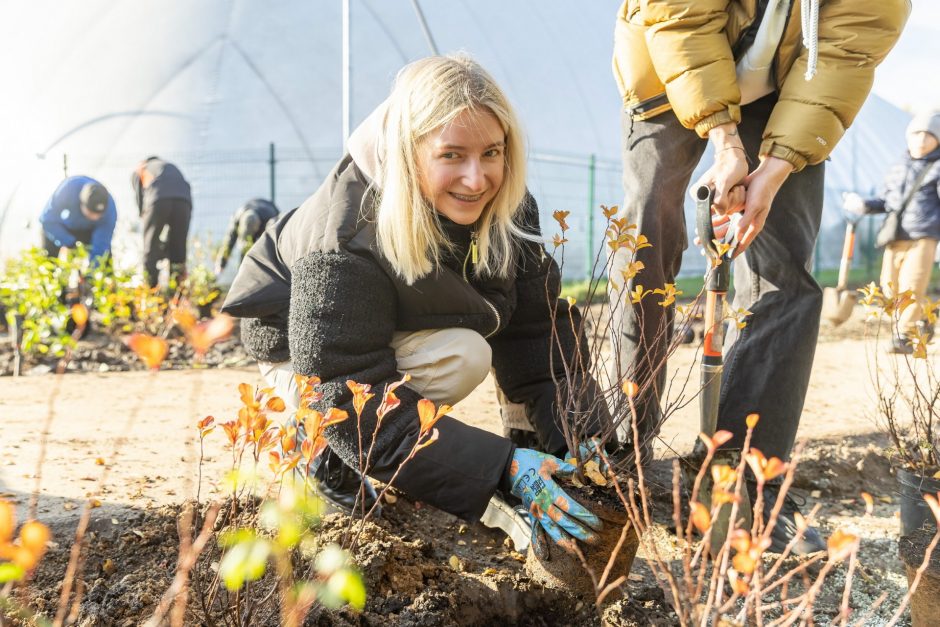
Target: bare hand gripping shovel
[838,302]
[717,282]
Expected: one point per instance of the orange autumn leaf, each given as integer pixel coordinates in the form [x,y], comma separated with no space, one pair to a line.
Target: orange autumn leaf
[206,426]
[429,440]
[311,421]
[700,517]
[24,558]
[869,503]
[361,395]
[721,497]
[276,404]
[79,313]
[290,463]
[713,442]
[738,584]
[333,416]
[741,540]
[274,461]
[205,334]
[184,318]
[152,350]
[765,469]
[247,394]
[745,562]
[231,430]
[308,393]
[34,535]
[306,449]
[428,414]
[724,476]
[319,445]
[7,521]
[752,420]
[609,212]
[560,219]
[288,438]
[390,400]
[630,388]
[841,544]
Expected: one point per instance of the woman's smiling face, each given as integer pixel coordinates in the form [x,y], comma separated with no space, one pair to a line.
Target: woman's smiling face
[462,165]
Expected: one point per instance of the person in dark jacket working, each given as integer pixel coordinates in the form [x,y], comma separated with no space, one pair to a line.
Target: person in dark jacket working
[908,262]
[244,229]
[164,201]
[79,210]
[420,254]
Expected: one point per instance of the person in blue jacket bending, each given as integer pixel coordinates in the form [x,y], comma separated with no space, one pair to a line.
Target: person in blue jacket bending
[80,210]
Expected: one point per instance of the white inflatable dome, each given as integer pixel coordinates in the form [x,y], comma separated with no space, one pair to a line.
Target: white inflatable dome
[92,87]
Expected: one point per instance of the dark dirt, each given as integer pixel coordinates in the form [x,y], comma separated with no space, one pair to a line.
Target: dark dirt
[425,567]
[105,352]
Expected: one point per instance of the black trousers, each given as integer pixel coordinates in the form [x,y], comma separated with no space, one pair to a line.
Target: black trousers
[173,214]
[768,364]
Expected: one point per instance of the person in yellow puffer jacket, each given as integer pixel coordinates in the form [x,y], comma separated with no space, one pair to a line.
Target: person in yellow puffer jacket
[768,84]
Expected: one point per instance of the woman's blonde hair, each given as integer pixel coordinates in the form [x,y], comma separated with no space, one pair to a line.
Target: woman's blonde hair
[427,95]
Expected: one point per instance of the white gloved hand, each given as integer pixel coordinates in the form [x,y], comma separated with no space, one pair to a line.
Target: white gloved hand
[853,203]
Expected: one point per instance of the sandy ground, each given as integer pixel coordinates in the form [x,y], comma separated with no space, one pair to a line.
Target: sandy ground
[136,430]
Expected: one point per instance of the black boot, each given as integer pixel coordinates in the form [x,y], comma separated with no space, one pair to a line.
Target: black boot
[786,528]
[339,486]
[927,329]
[901,346]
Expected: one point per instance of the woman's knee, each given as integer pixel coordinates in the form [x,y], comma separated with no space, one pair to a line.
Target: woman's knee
[473,356]
[445,364]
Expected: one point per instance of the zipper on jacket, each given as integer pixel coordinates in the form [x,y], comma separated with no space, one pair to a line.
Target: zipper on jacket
[473,256]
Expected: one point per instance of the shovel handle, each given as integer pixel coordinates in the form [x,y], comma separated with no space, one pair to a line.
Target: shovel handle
[848,250]
[719,276]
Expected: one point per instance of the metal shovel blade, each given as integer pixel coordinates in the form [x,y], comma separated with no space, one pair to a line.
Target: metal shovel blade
[838,304]
[512,520]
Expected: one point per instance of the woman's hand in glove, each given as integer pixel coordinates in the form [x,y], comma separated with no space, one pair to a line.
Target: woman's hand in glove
[550,510]
[587,451]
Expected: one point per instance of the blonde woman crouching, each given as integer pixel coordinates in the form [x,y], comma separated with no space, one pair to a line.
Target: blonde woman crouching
[421,254]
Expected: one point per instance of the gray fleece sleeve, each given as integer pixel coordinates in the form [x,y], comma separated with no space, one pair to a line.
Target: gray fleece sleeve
[342,317]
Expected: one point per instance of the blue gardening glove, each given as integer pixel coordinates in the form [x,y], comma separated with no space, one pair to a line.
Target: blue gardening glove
[587,451]
[550,510]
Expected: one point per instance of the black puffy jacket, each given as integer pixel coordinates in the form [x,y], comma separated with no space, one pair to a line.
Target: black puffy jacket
[314,289]
[921,217]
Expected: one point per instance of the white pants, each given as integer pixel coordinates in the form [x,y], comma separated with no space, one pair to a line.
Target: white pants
[445,365]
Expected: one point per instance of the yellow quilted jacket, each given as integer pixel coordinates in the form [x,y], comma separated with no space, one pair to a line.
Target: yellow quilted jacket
[680,54]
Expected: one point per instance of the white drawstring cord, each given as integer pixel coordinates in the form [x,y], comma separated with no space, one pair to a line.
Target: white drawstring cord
[809,13]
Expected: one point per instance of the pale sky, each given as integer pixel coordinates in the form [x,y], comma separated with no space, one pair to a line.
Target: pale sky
[910,76]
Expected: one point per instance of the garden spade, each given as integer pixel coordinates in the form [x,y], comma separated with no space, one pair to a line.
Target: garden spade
[717,282]
[838,302]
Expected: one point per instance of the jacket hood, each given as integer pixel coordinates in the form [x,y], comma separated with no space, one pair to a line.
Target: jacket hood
[366,145]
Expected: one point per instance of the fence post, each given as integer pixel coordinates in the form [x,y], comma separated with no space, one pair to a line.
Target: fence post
[65,165]
[589,255]
[271,162]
